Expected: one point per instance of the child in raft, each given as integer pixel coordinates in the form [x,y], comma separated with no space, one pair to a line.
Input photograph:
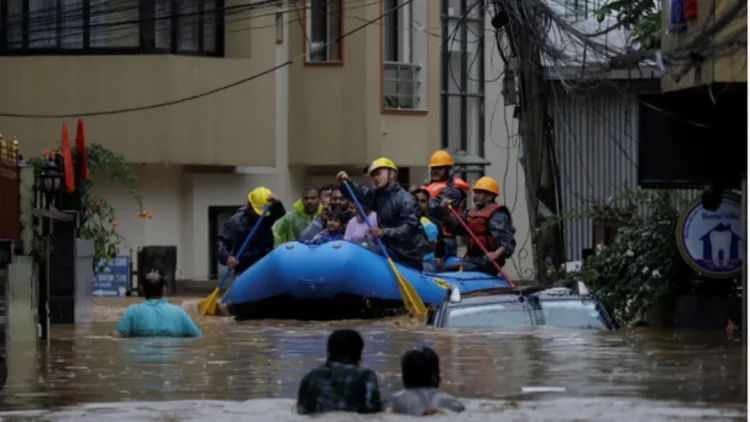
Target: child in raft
[335,224]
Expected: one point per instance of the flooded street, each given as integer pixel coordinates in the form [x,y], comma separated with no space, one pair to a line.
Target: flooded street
[254,368]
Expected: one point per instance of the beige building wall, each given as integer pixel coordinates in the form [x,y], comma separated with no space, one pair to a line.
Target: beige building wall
[272,131]
[337,114]
[232,127]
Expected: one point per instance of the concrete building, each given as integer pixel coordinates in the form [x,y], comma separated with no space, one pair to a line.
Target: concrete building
[293,93]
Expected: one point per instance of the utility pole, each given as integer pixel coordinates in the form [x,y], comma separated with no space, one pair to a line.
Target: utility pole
[535,128]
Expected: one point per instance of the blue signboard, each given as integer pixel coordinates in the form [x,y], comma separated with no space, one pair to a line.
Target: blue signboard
[711,241]
[113,278]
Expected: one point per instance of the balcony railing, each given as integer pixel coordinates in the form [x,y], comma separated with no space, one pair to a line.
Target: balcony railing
[401,85]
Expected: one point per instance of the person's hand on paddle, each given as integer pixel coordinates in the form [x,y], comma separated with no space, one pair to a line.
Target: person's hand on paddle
[494,255]
[231,262]
[445,203]
[342,177]
[375,232]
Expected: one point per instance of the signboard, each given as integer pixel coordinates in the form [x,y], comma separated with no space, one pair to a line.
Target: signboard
[710,242]
[113,279]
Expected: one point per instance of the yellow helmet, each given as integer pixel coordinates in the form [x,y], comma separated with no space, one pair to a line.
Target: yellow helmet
[487,184]
[381,163]
[441,159]
[258,199]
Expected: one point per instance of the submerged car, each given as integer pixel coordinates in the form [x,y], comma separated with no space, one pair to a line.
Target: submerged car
[565,307]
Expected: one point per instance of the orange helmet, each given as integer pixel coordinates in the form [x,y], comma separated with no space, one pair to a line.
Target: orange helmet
[441,159]
[487,184]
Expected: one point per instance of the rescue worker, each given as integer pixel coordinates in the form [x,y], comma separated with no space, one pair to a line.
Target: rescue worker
[304,211]
[491,223]
[397,213]
[444,186]
[238,227]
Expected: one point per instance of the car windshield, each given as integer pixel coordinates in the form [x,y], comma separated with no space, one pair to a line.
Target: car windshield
[568,313]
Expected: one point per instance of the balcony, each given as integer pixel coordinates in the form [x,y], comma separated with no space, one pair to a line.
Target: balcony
[402,86]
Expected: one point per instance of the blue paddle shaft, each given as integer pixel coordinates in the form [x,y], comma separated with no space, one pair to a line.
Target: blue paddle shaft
[367,220]
[244,244]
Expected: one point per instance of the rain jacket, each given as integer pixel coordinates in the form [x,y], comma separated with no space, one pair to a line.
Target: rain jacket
[290,226]
[398,217]
[238,227]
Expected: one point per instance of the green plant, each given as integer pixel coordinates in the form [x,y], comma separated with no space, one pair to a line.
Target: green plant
[643,17]
[98,220]
[638,273]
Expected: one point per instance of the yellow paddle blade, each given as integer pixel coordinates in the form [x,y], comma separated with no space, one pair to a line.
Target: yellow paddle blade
[208,305]
[411,299]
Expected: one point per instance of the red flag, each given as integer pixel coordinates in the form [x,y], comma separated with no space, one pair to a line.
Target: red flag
[83,166]
[67,160]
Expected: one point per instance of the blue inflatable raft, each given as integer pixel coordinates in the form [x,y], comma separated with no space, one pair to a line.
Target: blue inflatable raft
[335,280]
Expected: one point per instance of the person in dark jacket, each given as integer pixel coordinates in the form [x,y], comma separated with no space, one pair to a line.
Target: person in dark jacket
[491,224]
[238,227]
[397,212]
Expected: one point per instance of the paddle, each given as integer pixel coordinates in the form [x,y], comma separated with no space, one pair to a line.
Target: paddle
[473,236]
[208,305]
[411,299]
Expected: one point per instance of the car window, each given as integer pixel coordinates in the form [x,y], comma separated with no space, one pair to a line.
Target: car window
[557,313]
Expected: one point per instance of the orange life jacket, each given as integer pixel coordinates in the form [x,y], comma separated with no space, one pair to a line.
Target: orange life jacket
[435,188]
[479,224]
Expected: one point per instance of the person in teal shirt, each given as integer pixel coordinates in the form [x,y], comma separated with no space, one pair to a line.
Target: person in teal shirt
[155,317]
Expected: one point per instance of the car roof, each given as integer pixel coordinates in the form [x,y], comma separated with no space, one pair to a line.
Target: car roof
[506,294]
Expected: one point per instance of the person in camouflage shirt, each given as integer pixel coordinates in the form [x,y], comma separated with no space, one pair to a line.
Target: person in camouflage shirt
[340,384]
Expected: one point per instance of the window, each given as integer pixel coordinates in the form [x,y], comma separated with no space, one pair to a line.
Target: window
[279,28]
[404,51]
[109,27]
[574,313]
[462,86]
[323,31]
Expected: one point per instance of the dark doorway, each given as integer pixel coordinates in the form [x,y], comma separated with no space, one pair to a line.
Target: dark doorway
[217,216]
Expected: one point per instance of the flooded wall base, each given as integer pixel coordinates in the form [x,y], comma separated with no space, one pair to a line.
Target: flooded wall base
[21,322]
[701,312]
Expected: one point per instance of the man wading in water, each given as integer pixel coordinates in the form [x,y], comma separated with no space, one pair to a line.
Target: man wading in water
[155,317]
[340,384]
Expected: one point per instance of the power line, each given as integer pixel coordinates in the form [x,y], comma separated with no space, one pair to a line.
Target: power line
[48,28]
[206,93]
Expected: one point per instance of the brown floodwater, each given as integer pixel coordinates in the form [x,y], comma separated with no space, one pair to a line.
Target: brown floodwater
[252,369]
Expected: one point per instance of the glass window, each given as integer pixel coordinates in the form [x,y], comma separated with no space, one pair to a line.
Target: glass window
[324,30]
[556,313]
[463,79]
[119,27]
